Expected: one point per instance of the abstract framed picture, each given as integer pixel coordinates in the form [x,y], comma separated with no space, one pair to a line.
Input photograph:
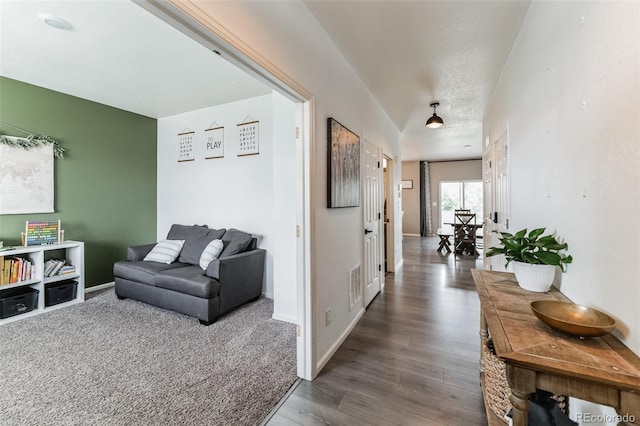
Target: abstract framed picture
[343,186]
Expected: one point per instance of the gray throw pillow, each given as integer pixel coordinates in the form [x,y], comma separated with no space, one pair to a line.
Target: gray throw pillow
[194,246]
[234,242]
[185,232]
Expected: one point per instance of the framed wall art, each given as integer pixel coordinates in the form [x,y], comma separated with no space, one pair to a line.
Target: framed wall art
[343,186]
[185,146]
[214,143]
[248,138]
[407,184]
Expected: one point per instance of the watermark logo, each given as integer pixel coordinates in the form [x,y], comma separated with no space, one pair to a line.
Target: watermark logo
[604,418]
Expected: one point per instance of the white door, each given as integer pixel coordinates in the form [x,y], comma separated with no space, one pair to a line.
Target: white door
[372,211]
[497,220]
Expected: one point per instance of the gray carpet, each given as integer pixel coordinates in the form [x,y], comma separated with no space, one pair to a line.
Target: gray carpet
[112,362]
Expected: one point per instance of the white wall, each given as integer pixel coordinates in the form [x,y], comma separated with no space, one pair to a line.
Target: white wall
[289,36]
[571,94]
[254,193]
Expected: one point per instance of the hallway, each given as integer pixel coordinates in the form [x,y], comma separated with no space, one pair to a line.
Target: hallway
[413,357]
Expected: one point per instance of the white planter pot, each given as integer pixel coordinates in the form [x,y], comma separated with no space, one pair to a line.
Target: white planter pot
[536,278]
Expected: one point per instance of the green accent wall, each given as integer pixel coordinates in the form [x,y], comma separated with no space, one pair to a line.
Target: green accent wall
[105,186]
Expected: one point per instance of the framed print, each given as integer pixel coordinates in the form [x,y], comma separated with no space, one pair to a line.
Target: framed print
[343,186]
[214,143]
[185,146]
[407,184]
[248,138]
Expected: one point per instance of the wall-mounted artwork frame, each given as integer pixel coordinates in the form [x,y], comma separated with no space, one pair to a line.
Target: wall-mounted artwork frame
[248,138]
[27,179]
[185,146]
[214,143]
[407,184]
[343,163]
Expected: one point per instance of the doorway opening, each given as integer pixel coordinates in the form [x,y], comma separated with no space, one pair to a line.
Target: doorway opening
[456,195]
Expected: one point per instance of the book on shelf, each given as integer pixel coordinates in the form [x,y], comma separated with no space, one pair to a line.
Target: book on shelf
[67,269]
[55,267]
[16,269]
[7,271]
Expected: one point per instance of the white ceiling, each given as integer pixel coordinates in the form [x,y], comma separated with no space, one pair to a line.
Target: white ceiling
[117,54]
[413,53]
[409,53]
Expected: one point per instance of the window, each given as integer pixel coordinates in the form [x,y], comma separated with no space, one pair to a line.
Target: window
[460,195]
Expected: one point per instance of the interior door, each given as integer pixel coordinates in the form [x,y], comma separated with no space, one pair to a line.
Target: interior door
[372,211]
[498,219]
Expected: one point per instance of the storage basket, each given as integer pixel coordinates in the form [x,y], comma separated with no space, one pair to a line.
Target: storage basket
[496,387]
[16,301]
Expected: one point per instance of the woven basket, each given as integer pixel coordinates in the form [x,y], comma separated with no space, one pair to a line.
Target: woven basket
[496,387]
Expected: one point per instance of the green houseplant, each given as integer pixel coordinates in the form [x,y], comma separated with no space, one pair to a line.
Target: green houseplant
[535,256]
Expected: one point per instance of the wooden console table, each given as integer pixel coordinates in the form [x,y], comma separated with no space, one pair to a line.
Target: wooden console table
[601,370]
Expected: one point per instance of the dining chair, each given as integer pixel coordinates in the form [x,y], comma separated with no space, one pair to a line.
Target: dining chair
[464,238]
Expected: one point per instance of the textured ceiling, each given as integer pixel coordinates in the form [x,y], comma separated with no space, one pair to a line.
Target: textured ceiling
[413,53]
[117,54]
[409,53]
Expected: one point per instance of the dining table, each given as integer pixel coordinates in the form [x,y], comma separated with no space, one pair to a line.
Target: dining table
[467,230]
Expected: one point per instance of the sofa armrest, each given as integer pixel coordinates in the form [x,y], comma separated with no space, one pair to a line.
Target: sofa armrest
[139,252]
[241,277]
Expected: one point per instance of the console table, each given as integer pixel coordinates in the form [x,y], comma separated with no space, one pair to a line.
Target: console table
[601,369]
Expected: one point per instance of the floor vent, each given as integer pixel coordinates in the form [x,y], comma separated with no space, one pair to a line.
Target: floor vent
[355,286]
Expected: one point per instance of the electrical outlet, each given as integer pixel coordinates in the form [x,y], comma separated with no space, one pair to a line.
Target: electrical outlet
[328,317]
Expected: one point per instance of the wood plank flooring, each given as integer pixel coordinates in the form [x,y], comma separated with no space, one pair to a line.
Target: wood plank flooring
[413,357]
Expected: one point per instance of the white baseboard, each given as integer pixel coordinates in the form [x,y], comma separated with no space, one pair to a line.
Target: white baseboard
[99,287]
[399,265]
[285,317]
[332,350]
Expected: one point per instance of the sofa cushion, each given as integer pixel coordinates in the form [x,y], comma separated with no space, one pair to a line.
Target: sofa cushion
[234,242]
[166,251]
[195,245]
[196,237]
[141,271]
[210,252]
[189,280]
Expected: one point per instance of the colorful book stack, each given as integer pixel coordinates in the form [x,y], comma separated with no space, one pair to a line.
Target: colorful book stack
[16,269]
[54,267]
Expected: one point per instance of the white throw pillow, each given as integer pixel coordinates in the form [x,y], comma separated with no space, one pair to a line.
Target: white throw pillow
[166,251]
[210,252]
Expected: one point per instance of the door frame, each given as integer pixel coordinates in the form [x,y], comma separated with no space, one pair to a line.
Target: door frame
[390,235]
[190,20]
[492,228]
[380,222]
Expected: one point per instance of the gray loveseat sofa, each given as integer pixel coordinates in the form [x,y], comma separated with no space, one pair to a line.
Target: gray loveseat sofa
[234,278]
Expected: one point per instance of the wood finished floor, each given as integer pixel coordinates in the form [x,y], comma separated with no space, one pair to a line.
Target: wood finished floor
[413,357]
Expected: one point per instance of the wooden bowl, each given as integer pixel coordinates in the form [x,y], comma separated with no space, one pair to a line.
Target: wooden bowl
[573,319]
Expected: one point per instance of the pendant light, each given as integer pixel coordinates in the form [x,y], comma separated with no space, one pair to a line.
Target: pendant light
[434,122]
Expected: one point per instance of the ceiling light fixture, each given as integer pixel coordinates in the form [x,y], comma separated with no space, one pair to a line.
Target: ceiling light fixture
[434,122]
[55,22]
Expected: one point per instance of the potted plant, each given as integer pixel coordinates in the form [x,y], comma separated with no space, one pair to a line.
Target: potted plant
[535,257]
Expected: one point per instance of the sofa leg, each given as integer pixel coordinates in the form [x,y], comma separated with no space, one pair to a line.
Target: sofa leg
[203,322]
[120,297]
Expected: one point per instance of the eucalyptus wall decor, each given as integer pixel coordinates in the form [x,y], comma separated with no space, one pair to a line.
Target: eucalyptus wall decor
[32,141]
